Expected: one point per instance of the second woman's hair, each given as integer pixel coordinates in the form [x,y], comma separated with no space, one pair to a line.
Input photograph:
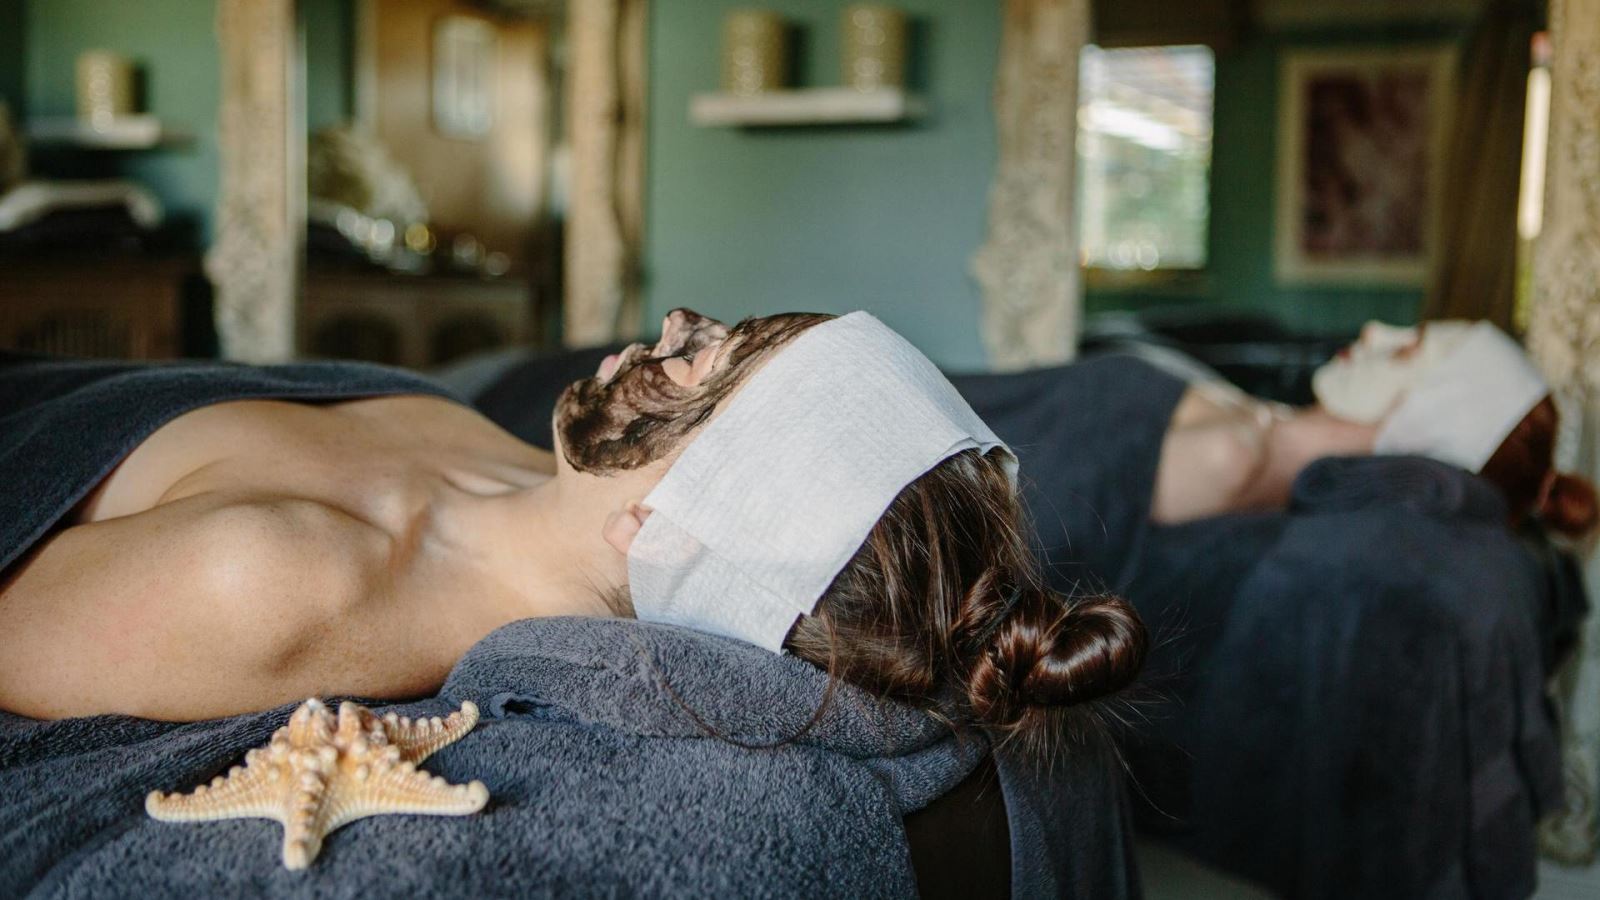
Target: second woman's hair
[1523,468]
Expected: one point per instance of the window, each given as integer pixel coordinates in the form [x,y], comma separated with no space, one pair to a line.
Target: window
[1530,202]
[1144,157]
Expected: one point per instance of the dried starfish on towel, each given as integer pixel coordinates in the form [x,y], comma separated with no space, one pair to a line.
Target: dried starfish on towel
[317,774]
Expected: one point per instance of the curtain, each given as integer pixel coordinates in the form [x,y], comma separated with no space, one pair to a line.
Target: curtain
[1475,271]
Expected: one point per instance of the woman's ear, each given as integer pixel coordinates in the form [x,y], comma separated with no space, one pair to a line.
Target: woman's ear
[623,524]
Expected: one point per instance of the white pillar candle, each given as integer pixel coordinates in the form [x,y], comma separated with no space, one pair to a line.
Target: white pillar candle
[874,51]
[105,87]
[754,55]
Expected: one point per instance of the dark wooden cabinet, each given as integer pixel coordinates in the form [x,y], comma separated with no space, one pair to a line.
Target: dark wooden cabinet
[120,307]
[411,320]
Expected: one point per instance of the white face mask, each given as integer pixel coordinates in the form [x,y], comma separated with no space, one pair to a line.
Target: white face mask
[1368,379]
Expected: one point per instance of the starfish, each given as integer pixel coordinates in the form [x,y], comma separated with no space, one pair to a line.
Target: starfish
[317,774]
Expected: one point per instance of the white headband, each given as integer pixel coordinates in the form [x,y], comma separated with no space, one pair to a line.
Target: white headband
[1462,409]
[764,507]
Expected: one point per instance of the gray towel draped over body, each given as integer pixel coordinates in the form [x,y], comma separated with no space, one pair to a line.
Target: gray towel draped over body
[603,782]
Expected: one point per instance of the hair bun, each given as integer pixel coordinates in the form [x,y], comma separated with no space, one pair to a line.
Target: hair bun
[1051,652]
[1568,505]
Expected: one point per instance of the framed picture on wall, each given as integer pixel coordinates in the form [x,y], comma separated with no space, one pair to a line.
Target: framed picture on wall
[1361,144]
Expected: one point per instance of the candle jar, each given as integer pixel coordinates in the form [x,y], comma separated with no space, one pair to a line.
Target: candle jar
[754,56]
[874,51]
[105,87]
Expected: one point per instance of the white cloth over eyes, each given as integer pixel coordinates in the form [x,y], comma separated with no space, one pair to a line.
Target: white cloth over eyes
[1464,407]
[765,506]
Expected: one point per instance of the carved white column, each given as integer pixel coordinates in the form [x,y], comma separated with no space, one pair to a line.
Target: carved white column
[254,251]
[1028,266]
[1564,329]
[1564,335]
[605,109]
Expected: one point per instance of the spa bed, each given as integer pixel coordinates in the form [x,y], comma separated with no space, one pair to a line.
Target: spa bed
[1346,699]
[594,746]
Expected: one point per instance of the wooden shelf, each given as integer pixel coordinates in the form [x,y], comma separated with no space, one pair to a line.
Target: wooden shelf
[129,133]
[812,106]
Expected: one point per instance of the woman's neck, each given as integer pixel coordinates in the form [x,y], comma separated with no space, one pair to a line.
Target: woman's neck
[1298,437]
[530,551]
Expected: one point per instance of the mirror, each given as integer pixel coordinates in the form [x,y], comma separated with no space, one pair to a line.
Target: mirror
[431,146]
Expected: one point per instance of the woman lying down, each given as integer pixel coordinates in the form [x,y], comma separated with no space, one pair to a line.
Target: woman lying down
[235,538]
[1460,392]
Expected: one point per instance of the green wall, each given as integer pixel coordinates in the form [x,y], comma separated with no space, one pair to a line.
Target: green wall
[757,221]
[12,26]
[744,222]
[328,30]
[174,41]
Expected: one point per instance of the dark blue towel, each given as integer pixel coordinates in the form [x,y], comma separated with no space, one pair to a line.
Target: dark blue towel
[1355,685]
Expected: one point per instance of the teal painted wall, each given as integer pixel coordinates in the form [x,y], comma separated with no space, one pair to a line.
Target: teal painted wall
[1242,195]
[757,221]
[328,30]
[12,29]
[748,222]
[175,43]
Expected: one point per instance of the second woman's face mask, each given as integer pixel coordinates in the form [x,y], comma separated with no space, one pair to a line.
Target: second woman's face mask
[1368,379]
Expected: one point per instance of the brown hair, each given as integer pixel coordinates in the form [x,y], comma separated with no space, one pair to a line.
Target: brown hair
[944,608]
[1524,470]
[641,414]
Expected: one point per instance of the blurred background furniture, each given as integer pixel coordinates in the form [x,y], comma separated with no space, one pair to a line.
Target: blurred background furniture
[411,320]
[128,307]
[1253,350]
